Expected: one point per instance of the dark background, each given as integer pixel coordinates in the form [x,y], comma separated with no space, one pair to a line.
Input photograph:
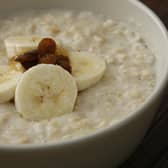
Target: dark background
[153,151]
[160,7]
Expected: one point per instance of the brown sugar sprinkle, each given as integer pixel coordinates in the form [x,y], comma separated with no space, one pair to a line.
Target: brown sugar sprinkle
[47,46]
[64,62]
[54,30]
[46,53]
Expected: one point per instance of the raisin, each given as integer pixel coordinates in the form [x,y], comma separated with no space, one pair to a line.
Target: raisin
[47,46]
[45,54]
[28,65]
[28,56]
[47,59]
[64,62]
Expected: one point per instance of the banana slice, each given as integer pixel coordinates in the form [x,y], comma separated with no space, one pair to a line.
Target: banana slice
[45,91]
[20,44]
[9,78]
[86,68]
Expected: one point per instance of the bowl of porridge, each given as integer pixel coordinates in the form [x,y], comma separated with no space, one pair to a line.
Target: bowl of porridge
[80,81]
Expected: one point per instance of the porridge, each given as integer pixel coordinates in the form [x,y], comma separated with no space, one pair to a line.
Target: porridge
[128,80]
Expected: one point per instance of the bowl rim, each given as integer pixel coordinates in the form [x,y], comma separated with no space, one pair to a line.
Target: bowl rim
[114,126]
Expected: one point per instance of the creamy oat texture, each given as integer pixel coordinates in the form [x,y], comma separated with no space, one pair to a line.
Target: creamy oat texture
[128,81]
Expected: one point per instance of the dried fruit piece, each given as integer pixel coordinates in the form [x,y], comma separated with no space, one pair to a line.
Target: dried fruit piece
[47,46]
[28,57]
[28,65]
[45,54]
[64,62]
[47,59]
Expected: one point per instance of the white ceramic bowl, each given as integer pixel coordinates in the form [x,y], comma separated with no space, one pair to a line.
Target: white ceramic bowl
[108,147]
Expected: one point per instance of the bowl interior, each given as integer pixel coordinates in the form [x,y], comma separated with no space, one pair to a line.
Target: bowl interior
[148,24]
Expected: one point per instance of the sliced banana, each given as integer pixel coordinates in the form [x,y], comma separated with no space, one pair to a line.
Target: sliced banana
[9,78]
[87,69]
[20,44]
[45,91]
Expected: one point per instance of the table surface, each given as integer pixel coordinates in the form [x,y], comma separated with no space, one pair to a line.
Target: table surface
[153,151]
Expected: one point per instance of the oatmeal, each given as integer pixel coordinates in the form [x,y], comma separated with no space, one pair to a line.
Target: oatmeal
[128,80]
